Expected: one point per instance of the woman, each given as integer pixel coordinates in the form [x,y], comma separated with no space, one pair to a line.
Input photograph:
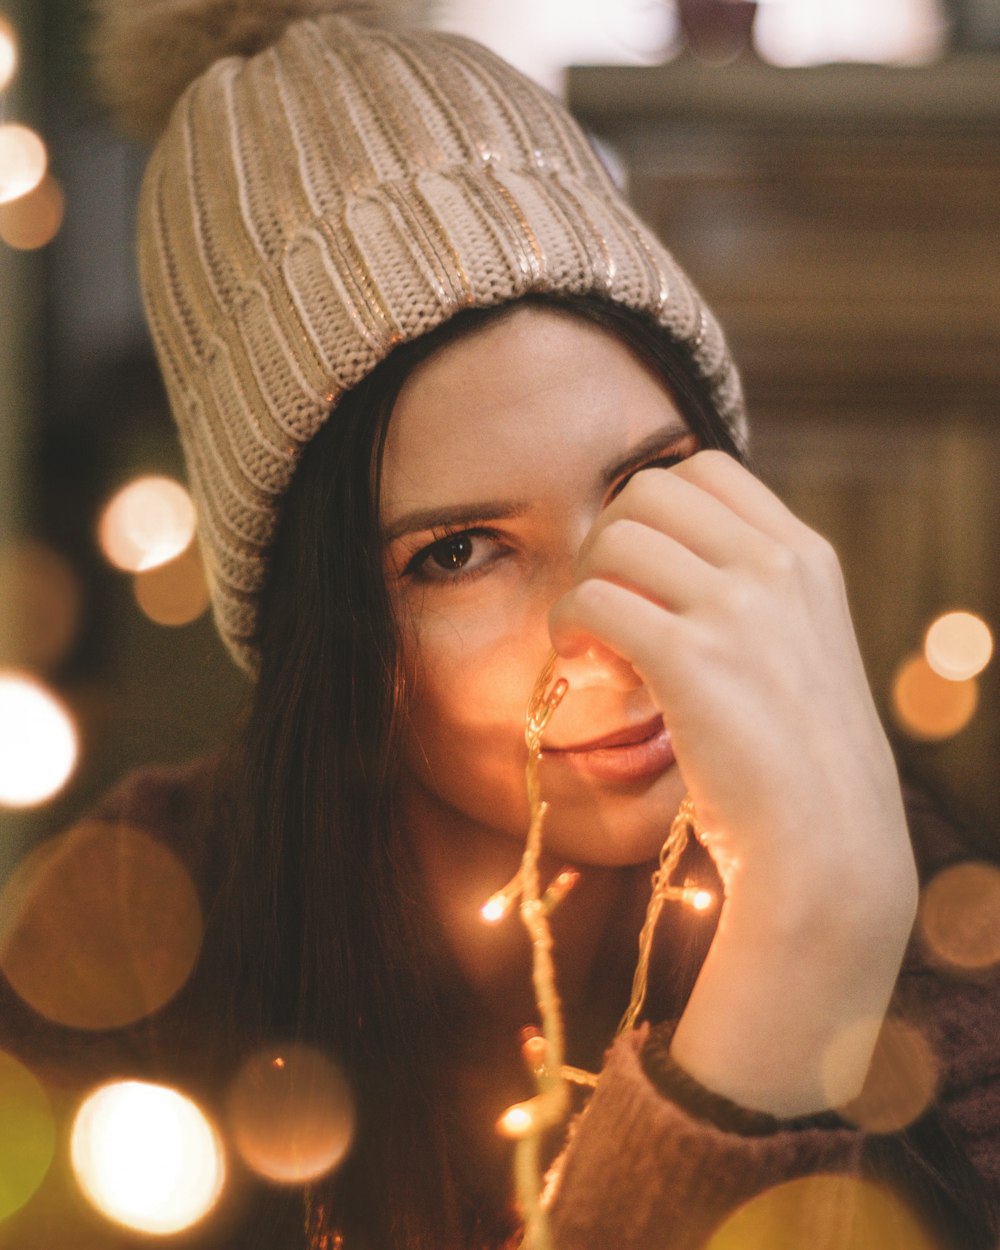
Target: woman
[446,404]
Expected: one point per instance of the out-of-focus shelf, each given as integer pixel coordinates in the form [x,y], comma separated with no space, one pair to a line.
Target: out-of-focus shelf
[844,221]
[959,92]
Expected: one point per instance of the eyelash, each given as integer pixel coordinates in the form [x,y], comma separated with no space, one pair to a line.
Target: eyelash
[659,462]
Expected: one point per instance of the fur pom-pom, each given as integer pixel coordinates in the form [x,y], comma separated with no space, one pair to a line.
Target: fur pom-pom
[146,52]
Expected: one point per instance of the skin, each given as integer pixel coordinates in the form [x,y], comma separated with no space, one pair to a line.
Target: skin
[689,591]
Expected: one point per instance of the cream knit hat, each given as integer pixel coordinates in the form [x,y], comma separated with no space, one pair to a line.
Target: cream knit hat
[340,186]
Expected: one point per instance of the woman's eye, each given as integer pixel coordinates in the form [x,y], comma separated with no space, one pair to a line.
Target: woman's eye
[456,556]
[451,553]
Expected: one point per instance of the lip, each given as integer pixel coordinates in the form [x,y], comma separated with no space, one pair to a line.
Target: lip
[634,753]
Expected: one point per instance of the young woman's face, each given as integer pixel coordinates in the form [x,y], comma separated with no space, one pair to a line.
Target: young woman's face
[502,449]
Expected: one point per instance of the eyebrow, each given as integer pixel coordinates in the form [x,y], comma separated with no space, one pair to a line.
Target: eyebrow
[469,514]
[459,514]
[660,441]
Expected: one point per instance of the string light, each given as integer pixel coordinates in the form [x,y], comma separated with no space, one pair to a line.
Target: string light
[291,1115]
[146,523]
[8,53]
[38,742]
[930,707]
[147,1157]
[542,1049]
[958,645]
[682,827]
[23,160]
[101,926]
[33,219]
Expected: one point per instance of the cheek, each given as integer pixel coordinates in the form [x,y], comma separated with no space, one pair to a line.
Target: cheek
[470,676]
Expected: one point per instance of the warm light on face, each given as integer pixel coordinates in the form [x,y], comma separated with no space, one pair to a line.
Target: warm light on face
[291,1114]
[23,161]
[147,523]
[32,220]
[99,926]
[928,706]
[959,916]
[147,1157]
[958,645]
[27,1135]
[38,742]
[8,53]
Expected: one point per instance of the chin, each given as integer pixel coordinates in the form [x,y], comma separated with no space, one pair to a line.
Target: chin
[609,828]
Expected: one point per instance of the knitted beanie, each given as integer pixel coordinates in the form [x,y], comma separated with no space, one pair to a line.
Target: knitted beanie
[331,184]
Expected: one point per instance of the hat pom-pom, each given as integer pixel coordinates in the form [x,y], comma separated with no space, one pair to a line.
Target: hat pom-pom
[146,52]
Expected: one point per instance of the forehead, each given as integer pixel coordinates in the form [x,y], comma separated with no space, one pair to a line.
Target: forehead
[535,400]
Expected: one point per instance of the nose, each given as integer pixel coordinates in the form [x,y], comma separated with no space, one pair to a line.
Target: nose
[598,666]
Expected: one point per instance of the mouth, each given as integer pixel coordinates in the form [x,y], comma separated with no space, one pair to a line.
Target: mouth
[634,753]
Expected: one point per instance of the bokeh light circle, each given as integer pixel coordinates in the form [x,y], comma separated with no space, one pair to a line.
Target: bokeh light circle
[99,926]
[291,1114]
[8,53]
[902,1077]
[27,1135]
[958,645]
[23,161]
[146,523]
[33,220]
[959,915]
[175,593]
[823,1210]
[38,741]
[42,605]
[928,706]
[147,1157]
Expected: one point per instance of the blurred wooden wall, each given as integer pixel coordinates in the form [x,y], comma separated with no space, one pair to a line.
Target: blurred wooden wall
[844,224]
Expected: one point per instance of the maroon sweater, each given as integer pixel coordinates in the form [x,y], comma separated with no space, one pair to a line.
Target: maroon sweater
[655,1163]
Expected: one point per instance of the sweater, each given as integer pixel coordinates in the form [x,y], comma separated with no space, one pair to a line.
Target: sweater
[654,1162]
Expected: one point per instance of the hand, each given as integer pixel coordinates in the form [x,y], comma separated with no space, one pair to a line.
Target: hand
[733,613]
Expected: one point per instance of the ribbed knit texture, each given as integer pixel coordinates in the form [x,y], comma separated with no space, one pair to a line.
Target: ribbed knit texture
[346,190]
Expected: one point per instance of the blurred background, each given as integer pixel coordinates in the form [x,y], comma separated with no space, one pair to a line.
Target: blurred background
[828,172]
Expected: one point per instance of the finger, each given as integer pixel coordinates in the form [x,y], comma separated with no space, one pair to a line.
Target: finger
[596,610]
[653,564]
[733,485]
[689,514]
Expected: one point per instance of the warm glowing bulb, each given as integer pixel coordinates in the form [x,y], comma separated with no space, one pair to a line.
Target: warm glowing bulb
[23,161]
[494,909]
[38,742]
[8,53]
[698,899]
[147,523]
[517,1121]
[560,887]
[958,645]
[147,1157]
